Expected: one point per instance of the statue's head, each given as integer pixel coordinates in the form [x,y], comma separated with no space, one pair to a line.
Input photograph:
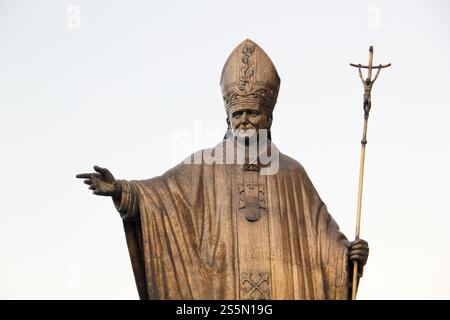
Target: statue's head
[250,85]
[368,81]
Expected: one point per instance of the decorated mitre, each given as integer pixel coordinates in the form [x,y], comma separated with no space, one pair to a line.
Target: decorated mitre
[249,77]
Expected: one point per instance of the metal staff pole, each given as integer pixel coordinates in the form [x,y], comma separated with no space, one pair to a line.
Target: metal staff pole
[368,83]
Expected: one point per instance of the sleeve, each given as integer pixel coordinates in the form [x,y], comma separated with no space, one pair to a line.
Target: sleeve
[334,255]
[128,206]
[128,203]
[331,243]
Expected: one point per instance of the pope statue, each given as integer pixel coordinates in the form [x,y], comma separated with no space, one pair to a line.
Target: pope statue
[240,220]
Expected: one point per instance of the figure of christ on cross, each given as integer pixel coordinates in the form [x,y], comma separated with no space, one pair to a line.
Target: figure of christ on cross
[368,82]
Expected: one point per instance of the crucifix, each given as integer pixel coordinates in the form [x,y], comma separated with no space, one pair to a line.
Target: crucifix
[368,83]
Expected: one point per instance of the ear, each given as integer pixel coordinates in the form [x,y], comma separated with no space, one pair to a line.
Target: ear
[269,120]
[228,123]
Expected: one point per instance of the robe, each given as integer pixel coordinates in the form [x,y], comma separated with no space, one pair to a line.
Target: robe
[218,231]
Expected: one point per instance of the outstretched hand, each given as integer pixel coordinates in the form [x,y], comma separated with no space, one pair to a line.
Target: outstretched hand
[101,182]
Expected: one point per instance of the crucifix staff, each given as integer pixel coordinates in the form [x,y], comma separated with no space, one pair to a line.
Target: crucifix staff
[368,83]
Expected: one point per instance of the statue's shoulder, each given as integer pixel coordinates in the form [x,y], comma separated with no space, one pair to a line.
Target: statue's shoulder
[289,164]
[190,167]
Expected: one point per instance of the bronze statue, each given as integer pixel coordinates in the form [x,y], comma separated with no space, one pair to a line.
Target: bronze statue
[240,220]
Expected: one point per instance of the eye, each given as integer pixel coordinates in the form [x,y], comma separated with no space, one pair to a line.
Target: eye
[253,112]
[236,114]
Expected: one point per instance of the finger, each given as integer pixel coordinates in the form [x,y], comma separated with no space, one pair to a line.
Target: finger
[360,252]
[89,181]
[84,175]
[361,260]
[365,255]
[360,246]
[358,258]
[92,187]
[360,241]
[100,169]
[87,175]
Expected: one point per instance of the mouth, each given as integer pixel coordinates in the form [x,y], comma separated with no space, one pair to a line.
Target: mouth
[246,127]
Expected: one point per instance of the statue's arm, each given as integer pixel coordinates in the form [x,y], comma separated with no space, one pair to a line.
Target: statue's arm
[361,75]
[376,75]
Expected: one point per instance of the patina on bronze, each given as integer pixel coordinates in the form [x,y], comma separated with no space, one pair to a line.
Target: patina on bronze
[240,220]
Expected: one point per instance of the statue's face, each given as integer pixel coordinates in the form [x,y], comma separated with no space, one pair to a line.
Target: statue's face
[246,121]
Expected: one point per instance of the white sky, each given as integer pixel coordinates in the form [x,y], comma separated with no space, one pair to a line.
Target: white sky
[120,88]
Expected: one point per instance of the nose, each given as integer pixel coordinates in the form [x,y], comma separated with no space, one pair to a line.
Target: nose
[244,117]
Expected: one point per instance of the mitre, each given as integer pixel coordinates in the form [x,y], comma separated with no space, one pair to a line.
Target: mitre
[249,77]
